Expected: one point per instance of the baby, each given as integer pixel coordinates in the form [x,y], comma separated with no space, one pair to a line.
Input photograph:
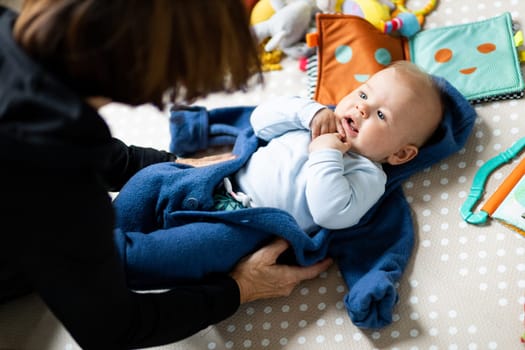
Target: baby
[323,166]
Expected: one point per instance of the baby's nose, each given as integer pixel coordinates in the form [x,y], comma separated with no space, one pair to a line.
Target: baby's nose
[362,109]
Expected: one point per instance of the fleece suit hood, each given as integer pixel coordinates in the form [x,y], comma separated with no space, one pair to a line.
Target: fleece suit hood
[168,231]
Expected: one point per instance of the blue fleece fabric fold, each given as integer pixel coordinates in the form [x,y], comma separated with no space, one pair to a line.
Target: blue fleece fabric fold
[167,233]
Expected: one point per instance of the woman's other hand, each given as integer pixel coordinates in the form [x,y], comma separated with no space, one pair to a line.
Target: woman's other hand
[260,277]
[206,160]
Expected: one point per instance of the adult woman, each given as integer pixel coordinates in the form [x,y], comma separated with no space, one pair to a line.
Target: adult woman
[59,159]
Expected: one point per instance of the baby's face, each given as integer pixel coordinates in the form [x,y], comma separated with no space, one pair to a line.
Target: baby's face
[377,116]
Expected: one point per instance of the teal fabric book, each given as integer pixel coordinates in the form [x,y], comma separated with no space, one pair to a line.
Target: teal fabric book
[480,58]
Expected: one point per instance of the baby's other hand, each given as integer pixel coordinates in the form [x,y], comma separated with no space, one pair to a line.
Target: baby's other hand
[325,121]
[330,141]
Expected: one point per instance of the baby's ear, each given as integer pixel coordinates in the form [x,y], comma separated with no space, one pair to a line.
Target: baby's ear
[405,154]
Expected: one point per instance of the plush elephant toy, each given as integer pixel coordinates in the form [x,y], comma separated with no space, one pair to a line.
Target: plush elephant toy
[287,26]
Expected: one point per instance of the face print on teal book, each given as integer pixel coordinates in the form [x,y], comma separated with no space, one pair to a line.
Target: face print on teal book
[478,58]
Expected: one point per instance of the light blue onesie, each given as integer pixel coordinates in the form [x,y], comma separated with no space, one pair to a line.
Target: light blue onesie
[323,188]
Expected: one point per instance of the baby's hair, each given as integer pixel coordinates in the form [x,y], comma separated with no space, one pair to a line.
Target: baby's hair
[412,68]
[424,83]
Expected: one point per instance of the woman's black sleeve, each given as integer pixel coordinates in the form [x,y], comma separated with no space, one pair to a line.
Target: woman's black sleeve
[63,244]
[125,161]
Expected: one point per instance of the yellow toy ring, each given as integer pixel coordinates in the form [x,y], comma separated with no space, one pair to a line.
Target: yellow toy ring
[429,7]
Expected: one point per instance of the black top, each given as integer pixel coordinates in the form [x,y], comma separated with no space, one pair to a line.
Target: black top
[58,162]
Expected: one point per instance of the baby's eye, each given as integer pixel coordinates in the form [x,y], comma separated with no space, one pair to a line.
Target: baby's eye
[381,115]
[363,95]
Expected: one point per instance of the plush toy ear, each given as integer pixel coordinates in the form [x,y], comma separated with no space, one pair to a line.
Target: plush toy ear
[405,154]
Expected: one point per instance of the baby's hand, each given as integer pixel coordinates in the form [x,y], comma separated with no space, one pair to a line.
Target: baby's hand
[325,121]
[330,141]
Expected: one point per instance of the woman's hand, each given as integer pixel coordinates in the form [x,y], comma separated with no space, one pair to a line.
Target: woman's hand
[260,277]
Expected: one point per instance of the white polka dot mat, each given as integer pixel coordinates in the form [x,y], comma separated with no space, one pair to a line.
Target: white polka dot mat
[463,289]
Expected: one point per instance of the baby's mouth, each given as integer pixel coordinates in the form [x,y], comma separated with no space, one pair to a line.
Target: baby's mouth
[353,130]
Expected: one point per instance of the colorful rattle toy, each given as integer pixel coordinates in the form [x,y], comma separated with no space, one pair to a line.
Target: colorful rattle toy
[407,22]
[387,16]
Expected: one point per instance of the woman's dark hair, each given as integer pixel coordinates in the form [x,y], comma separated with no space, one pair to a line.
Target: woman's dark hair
[133,51]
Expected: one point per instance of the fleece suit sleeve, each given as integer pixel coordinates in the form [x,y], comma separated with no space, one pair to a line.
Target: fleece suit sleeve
[375,260]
